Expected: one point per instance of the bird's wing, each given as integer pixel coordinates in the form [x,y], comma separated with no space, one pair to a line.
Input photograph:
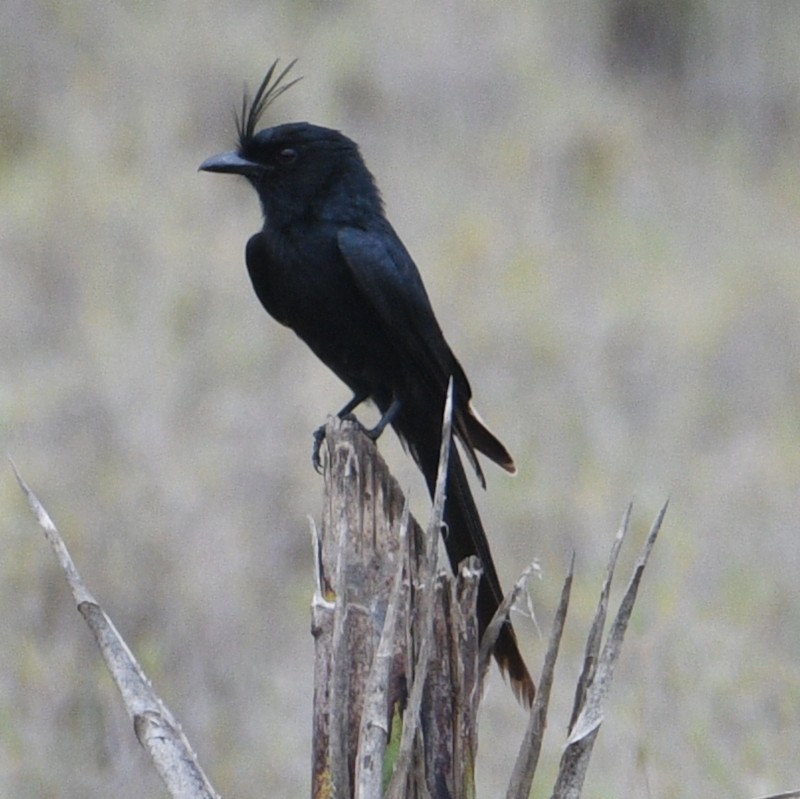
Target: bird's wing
[388,279]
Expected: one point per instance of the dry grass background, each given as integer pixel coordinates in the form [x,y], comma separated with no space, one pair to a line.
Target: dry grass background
[609,230]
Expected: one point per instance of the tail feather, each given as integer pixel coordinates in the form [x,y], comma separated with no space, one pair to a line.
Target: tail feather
[461,514]
[485,441]
[465,536]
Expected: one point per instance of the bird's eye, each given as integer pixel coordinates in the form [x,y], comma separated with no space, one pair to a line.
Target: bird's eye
[286,156]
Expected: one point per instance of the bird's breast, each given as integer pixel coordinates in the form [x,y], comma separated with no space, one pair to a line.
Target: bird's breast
[307,286]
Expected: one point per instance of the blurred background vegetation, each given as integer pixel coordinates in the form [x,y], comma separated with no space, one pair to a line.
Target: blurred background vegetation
[604,201]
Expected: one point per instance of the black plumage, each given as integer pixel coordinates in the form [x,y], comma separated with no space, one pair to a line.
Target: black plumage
[328,264]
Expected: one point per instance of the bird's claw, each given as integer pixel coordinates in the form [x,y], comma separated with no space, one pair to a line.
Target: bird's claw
[353,419]
[319,437]
[372,433]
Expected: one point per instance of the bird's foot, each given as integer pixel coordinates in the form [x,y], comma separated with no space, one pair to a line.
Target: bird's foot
[319,437]
[371,433]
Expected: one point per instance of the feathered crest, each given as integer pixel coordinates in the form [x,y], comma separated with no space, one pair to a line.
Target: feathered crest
[268,91]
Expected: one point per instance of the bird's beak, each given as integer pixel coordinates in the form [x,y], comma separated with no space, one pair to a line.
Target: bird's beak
[232,163]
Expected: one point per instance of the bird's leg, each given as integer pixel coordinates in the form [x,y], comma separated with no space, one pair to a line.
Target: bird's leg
[319,433]
[352,405]
[386,419]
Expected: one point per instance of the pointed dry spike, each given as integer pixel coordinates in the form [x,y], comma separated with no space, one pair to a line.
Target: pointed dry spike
[492,631]
[595,637]
[584,730]
[80,592]
[528,756]
[437,513]
[515,670]
[411,717]
[591,715]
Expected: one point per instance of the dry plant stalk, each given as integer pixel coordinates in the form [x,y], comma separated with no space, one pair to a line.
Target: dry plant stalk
[398,663]
[154,724]
[399,667]
[396,677]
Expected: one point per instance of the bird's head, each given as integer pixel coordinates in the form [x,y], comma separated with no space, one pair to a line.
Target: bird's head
[297,168]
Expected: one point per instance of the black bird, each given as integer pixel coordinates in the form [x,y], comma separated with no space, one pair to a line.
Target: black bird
[328,264]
